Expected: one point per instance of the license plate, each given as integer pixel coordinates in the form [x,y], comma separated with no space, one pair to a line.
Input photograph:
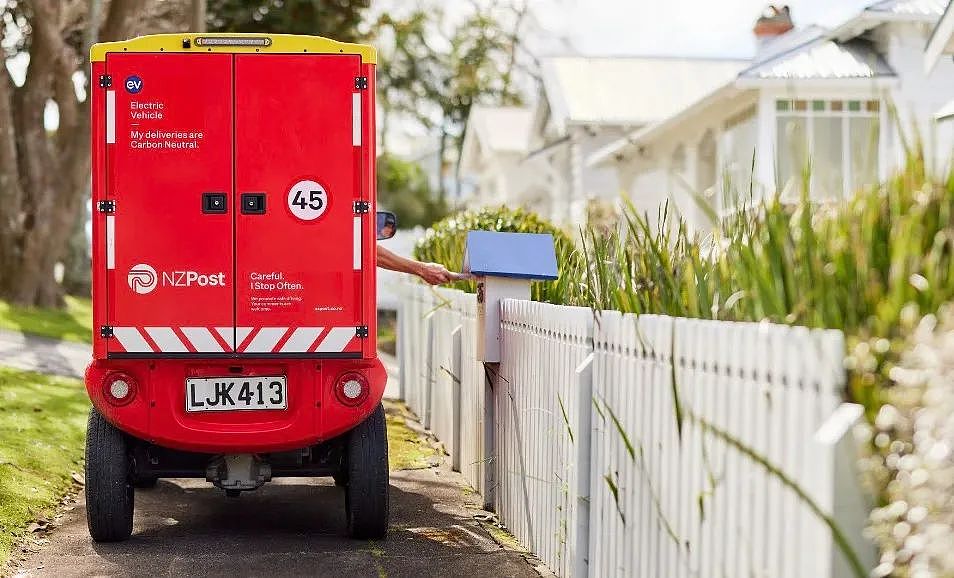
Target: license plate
[235,393]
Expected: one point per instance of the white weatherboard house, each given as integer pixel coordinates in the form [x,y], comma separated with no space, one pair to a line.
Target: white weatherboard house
[535,157]
[495,145]
[811,93]
[941,44]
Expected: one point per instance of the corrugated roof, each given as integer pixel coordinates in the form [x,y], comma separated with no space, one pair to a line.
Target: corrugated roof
[925,8]
[784,43]
[629,90]
[502,128]
[826,59]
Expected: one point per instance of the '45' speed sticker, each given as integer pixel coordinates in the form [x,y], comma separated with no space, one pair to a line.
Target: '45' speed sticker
[307,200]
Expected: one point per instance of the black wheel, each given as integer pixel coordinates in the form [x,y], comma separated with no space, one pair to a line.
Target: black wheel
[366,492]
[109,490]
[145,482]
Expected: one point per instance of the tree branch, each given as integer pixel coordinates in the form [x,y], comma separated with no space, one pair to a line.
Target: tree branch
[119,20]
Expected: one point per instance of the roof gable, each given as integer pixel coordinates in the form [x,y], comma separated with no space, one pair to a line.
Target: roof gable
[907,9]
[628,91]
[502,128]
[823,59]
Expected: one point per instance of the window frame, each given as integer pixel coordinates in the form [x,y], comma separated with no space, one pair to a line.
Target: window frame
[850,107]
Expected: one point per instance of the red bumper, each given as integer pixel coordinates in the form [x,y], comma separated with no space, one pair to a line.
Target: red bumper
[157,411]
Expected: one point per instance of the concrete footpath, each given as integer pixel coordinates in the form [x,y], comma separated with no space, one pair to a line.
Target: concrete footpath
[290,527]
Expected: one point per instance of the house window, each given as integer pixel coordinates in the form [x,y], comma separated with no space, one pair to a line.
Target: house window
[833,143]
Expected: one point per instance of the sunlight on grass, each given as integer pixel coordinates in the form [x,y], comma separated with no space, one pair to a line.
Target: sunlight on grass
[407,449]
[42,432]
[74,323]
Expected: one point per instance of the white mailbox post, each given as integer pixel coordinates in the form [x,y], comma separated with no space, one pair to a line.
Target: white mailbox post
[504,265]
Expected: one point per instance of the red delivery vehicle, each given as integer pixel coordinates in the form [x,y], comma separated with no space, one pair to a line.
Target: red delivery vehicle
[234,230]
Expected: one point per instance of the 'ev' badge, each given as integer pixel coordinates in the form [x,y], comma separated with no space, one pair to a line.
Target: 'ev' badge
[133,84]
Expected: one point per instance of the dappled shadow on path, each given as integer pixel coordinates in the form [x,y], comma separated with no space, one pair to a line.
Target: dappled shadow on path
[290,527]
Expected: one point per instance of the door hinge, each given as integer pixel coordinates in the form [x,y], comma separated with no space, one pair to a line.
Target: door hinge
[361,82]
[362,207]
[362,331]
[108,207]
[105,81]
[106,331]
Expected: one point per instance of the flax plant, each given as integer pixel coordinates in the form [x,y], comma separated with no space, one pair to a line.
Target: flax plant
[857,264]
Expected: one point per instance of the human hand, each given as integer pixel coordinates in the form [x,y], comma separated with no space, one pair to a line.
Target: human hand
[434,273]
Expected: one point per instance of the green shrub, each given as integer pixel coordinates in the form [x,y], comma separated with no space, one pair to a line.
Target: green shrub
[860,265]
[444,243]
[403,189]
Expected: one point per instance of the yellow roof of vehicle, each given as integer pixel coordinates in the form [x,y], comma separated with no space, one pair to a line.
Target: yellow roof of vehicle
[241,43]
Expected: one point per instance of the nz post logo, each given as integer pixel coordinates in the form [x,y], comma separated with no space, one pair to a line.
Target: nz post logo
[142,278]
[133,84]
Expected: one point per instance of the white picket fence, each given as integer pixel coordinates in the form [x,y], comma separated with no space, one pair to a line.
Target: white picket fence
[649,446]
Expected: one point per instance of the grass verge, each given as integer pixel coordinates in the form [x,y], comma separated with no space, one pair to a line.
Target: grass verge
[73,323]
[407,449]
[42,428]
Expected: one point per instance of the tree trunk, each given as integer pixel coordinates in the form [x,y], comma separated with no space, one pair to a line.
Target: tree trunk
[44,178]
[441,181]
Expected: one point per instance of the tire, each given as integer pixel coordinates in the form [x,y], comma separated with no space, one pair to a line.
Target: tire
[109,489]
[366,492]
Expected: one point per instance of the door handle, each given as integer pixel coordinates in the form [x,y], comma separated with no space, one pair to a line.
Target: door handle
[253,203]
[215,203]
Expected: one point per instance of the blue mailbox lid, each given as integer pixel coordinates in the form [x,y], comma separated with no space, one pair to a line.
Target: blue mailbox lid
[517,255]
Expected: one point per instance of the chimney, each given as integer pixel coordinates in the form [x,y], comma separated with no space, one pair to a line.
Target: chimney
[773,22]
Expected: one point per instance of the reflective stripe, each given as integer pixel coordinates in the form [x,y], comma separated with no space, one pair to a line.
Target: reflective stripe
[337,339]
[131,340]
[240,334]
[202,340]
[356,119]
[166,340]
[110,116]
[265,340]
[301,340]
[227,334]
[357,243]
[110,242]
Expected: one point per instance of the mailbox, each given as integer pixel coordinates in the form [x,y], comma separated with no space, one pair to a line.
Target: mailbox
[504,264]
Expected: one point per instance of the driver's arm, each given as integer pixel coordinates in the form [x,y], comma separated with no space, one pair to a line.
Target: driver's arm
[432,273]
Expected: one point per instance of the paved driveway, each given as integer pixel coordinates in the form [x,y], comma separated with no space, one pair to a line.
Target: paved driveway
[291,527]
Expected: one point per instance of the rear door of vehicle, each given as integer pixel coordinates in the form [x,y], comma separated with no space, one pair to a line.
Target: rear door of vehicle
[169,233]
[298,229]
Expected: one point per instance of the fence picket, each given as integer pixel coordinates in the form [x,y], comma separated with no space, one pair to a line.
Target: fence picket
[605,466]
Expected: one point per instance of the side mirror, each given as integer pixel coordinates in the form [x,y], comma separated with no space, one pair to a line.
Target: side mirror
[386,224]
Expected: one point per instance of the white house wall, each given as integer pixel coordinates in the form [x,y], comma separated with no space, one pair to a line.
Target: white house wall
[919,96]
[571,183]
[653,180]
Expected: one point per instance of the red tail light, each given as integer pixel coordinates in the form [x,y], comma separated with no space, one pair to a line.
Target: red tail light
[119,388]
[352,389]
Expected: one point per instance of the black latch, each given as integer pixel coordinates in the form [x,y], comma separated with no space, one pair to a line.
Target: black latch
[253,203]
[362,331]
[362,207]
[361,82]
[106,331]
[214,203]
[105,81]
[108,207]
